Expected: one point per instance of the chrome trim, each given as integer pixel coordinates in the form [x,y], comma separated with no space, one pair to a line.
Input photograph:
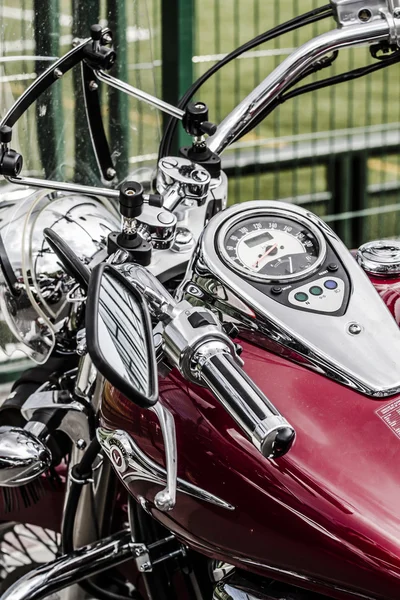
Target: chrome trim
[72,568]
[368,363]
[132,464]
[275,212]
[381,257]
[287,73]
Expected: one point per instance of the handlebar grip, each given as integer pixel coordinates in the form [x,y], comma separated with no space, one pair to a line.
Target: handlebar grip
[268,430]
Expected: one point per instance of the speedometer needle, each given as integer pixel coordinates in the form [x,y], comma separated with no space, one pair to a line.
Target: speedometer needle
[255,266]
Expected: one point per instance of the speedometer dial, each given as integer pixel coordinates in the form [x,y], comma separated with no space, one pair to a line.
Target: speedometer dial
[272,246]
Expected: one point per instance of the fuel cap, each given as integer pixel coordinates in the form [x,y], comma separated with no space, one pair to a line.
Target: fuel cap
[381,257]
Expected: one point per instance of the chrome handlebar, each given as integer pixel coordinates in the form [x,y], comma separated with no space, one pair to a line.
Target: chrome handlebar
[195,343]
[268,430]
[291,68]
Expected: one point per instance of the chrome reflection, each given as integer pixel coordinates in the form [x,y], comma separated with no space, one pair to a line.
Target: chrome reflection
[122,333]
[30,319]
[23,457]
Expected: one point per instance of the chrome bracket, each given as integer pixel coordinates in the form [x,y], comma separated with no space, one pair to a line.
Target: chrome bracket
[351,12]
[74,423]
[142,553]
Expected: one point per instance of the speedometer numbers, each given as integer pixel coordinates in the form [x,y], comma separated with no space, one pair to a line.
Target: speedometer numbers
[272,247]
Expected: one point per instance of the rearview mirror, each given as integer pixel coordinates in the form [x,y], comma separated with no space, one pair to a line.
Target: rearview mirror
[120,335]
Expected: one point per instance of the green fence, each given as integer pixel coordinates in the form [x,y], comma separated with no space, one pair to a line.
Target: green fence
[336,151]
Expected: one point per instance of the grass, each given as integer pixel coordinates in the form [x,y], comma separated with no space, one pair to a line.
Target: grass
[220,26]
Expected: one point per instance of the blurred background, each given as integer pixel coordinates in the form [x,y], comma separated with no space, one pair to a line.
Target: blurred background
[335,151]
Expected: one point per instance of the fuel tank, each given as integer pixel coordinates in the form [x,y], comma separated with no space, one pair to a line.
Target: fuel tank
[326,517]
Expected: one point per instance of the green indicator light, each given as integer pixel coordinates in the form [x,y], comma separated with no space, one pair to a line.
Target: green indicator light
[316,290]
[301,297]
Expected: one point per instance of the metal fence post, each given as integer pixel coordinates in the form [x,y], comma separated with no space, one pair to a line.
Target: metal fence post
[177,18]
[339,184]
[85,14]
[118,104]
[50,121]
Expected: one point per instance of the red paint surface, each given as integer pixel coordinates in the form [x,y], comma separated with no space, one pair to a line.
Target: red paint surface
[389,291]
[328,512]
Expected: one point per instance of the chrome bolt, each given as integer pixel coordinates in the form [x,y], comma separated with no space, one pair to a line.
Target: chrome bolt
[199,105]
[354,328]
[145,567]
[364,15]
[111,173]
[58,73]
[93,86]
[139,550]
[107,39]
[200,176]
[81,444]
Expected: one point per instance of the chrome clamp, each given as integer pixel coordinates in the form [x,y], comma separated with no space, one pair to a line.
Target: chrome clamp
[351,12]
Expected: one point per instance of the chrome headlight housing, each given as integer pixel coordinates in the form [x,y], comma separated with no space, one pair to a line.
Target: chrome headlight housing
[35,304]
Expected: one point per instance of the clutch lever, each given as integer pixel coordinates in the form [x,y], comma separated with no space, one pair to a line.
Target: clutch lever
[165,499]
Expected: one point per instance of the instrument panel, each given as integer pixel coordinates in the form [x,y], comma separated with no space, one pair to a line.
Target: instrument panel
[267,245]
[276,251]
[286,281]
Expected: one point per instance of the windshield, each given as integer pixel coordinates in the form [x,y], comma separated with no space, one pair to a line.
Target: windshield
[53,136]
[54,139]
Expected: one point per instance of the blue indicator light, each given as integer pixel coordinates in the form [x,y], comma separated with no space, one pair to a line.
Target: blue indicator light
[330,285]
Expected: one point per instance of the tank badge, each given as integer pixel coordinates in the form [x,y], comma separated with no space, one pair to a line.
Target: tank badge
[132,464]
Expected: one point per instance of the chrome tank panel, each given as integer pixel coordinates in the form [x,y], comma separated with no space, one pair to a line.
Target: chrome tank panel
[368,362]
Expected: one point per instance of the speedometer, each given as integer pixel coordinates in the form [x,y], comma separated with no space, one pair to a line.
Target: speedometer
[270,245]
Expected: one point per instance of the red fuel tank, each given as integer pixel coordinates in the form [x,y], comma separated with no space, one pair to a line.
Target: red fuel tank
[325,517]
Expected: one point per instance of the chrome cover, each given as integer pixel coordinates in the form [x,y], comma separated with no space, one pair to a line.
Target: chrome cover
[380,257]
[368,362]
[23,457]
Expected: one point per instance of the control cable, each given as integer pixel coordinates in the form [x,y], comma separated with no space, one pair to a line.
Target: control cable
[307,18]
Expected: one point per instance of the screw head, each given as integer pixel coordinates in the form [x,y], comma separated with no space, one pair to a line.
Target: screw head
[93,86]
[365,15]
[111,173]
[58,73]
[106,39]
[200,176]
[81,444]
[354,329]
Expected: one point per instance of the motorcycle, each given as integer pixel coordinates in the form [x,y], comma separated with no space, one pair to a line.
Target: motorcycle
[215,410]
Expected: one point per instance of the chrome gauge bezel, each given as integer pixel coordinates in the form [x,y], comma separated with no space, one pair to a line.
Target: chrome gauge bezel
[267,212]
